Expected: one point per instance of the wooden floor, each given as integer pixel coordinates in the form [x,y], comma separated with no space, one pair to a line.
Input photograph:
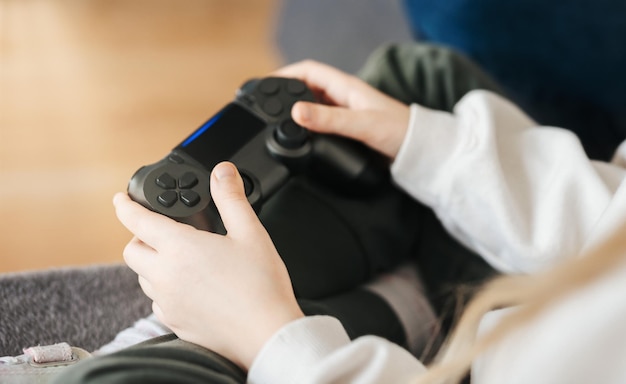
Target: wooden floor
[92,89]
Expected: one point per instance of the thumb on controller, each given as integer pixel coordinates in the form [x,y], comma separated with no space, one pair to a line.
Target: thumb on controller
[230,199]
[357,125]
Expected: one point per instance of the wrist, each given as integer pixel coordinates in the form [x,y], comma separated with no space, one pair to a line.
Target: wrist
[398,131]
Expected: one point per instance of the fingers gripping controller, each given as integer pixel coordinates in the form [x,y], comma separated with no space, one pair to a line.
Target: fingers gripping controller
[255,132]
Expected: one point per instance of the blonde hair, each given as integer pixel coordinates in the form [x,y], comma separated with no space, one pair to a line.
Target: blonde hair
[533,293]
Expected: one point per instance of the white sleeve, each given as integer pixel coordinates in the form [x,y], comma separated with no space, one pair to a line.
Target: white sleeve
[521,196]
[316,349]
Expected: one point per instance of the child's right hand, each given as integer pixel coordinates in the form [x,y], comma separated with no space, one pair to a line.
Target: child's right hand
[353,108]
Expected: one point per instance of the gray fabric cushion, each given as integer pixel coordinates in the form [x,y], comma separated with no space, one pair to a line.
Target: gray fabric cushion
[84,306]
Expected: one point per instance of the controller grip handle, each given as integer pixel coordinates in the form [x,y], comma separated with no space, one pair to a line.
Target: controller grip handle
[348,164]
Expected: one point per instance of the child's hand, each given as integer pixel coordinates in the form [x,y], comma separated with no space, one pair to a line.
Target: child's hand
[227,293]
[354,109]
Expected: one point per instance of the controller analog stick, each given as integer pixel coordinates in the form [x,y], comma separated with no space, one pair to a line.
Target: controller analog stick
[248,184]
[290,135]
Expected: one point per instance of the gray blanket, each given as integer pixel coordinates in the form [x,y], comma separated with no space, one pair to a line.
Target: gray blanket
[85,306]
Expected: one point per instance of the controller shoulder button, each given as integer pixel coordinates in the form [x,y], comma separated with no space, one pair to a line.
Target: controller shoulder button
[188,180]
[272,107]
[189,198]
[168,198]
[166,181]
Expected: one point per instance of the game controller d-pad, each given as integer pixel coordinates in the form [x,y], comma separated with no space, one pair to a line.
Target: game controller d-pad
[173,189]
[257,134]
[177,188]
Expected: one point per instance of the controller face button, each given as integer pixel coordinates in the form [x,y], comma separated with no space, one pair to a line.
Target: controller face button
[269,86]
[175,159]
[290,135]
[168,198]
[295,87]
[189,198]
[273,107]
[166,181]
[188,180]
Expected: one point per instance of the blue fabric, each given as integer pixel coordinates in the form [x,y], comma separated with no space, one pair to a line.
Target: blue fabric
[563,61]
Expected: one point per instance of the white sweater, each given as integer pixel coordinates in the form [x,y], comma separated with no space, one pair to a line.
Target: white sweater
[521,196]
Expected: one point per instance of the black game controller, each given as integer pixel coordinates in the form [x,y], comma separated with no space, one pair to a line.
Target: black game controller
[257,134]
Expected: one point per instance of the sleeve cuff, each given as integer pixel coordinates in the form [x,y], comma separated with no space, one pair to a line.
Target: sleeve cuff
[295,347]
[418,167]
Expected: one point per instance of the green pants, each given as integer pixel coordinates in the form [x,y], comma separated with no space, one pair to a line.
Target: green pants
[413,73]
[168,359]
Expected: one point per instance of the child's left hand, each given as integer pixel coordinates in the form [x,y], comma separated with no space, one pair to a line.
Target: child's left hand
[226,293]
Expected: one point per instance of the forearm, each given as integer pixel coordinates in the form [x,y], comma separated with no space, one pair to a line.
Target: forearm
[519,195]
[317,350]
